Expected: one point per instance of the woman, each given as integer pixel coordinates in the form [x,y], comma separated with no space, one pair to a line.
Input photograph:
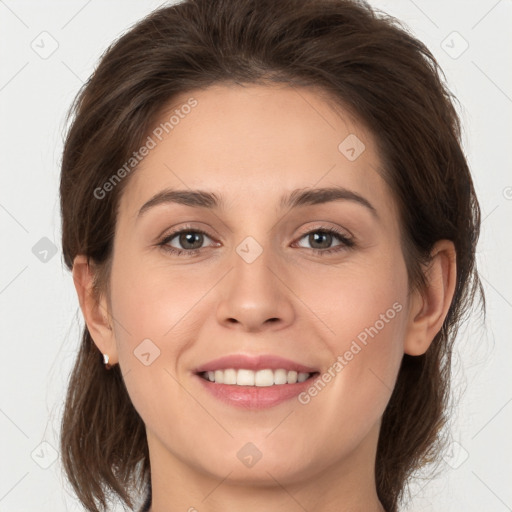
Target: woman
[271,227]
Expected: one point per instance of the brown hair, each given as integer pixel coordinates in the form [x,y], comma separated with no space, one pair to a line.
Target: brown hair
[373,68]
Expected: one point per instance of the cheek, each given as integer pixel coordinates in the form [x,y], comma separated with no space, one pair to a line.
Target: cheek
[360,303]
[152,311]
[158,312]
[154,301]
[365,317]
[371,315]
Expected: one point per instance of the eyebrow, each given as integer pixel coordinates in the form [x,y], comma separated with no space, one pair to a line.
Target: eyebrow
[294,199]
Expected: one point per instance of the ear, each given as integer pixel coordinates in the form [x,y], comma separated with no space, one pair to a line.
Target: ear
[95,312]
[428,308]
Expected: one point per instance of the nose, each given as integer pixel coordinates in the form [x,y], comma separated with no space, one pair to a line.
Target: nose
[254,296]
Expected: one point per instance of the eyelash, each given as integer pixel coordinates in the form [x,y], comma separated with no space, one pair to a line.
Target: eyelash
[346,242]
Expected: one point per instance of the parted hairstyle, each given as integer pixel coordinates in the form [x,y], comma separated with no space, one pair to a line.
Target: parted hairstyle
[374,69]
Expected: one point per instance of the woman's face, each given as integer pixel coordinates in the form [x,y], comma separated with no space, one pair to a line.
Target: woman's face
[266,280]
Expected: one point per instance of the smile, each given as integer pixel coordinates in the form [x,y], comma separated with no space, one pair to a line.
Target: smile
[261,378]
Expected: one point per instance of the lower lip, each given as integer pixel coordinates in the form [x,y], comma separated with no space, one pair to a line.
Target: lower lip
[255,397]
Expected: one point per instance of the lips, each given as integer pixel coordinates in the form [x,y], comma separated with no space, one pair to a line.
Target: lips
[254,381]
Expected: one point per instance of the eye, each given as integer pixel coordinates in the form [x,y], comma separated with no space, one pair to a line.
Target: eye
[322,238]
[190,241]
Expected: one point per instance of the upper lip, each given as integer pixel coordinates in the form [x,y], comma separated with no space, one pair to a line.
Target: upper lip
[254,362]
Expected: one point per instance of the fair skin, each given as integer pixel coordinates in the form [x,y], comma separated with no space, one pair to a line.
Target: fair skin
[250,145]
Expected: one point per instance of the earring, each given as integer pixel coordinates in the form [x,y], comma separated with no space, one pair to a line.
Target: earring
[106,363]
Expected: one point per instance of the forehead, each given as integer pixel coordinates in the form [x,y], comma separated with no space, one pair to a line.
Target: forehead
[253,143]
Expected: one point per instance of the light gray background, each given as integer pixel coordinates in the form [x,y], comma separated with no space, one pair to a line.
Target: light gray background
[40,319]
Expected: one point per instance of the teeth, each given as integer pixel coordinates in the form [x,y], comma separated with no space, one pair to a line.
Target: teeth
[280,376]
[260,378]
[302,377]
[244,378]
[229,376]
